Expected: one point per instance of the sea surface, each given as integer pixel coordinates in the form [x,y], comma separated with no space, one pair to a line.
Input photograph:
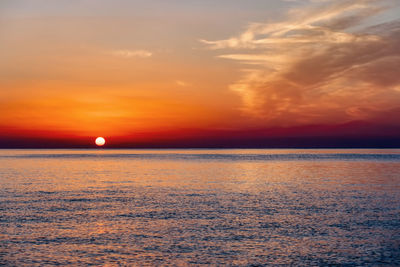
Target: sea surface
[200,207]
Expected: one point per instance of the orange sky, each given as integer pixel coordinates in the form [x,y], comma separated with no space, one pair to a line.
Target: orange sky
[126,69]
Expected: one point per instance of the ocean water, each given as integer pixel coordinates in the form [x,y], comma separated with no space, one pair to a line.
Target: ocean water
[200,207]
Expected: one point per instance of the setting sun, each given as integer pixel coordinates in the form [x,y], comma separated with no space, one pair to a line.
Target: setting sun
[100,141]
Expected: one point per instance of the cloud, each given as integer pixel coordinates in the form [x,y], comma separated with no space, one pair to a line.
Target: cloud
[132,53]
[182,83]
[321,64]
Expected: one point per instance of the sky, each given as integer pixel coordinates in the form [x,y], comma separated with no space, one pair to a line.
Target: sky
[174,73]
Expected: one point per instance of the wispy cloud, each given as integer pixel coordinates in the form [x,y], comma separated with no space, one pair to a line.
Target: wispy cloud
[182,83]
[132,53]
[318,64]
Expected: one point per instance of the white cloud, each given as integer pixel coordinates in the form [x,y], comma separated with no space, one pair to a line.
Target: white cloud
[314,65]
[132,53]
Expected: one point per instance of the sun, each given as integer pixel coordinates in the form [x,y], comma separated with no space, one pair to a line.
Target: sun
[100,141]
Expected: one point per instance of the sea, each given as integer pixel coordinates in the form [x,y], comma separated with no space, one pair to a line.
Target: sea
[197,207]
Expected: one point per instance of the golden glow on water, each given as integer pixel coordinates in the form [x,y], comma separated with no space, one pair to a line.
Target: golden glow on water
[155,207]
